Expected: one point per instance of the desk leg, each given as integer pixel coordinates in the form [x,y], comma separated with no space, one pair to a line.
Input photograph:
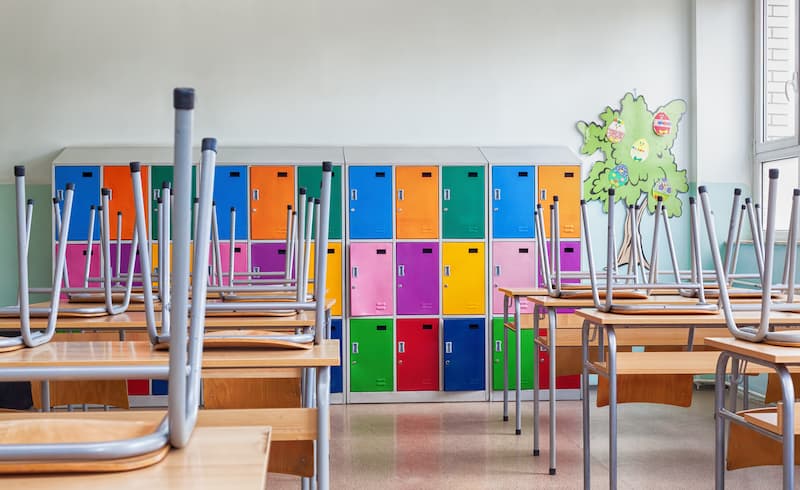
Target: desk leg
[552,323]
[323,428]
[536,349]
[612,408]
[45,394]
[719,425]
[518,401]
[587,453]
[788,425]
[505,359]
[734,386]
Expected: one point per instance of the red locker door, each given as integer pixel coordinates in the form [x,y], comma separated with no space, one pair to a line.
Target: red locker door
[562,382]
[418,354]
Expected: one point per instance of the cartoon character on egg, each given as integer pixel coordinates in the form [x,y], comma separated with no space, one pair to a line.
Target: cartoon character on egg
[640,150]
[662,189]
[662,124]
[616,131]
[618,176]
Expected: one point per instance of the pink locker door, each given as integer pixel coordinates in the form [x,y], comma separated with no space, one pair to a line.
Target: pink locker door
[239,258]
[371,281]
[76,263]
[513,265]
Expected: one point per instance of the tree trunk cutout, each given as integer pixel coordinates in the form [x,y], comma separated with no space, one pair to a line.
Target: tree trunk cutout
[625,251]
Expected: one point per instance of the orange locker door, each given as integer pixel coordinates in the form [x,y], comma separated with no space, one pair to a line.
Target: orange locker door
[563,181]
[417,202]
[334,277]
[118,179]
[271,190]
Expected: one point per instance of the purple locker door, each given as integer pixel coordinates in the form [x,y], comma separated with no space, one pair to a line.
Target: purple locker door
[125,250]
[239,258]
[268,257]
[513,265]
[418,278]
[76,262]
[371,279]
[570,261]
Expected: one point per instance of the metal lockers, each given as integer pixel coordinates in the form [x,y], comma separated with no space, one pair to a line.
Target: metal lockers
[417,278]
[310,177]
[371,279]
[513,199]
[239,258]
[570,256]
[87,193]
[463,278]
[418,354]
[230,191]
[417,202]
[497,357]
[464,354]
[336,371]
[268,257]
[463,191]
[124,258]
[370,202]
[117,178]
[76,263]
[564,182]
[334,277]
[158,175]
[371,360]
[271,191]
[513,265]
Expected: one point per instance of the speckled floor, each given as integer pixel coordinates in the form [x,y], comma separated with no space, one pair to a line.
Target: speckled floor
[468,446]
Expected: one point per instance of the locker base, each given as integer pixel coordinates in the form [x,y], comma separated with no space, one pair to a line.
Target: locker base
[519,432]
[552,471]
[505,418]
[544,395]
[535,452]
[417,397]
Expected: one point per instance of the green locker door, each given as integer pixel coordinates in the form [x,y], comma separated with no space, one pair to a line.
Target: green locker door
[158,175]
[371,363]
[463,201]
[310,177]
[497,357]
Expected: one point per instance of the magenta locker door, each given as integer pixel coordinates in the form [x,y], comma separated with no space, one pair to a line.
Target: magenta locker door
[418,278]
[125,250]
[371,279]
[268,257]
[76,263]
[239,258]
[570,261]
[513,265]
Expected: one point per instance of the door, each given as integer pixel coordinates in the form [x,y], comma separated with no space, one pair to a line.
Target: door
[497,356]
[513,265]
[463,191]
[87,193]
[124,261]
[76,264]
[464,354]
[158,175]
[418,354]
[310,177]
[371,363]
[239,258]
[371,279]
[417,202]
[513,201]
[271,191]
[117,178]
[463,278]
[334,278]
[570,257]
[572,381]
[417,279]
[370,202]
[230,191]
[336,371]
[268,257]
[563,181]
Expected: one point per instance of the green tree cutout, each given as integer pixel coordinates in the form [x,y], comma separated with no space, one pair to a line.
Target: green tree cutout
[636,146]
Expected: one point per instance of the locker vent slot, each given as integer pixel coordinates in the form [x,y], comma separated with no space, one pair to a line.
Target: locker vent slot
[86,174]
[380,174]
[427,326]
[427,174]
[523,250]
[381,251]
[331,251]
[380,327]
[473,250]
[281,251]
[237,249]
[474,326]
[234,174]
[427,250]
[283,174]
[569,175]
[522,174]
[569,250]
[472,174]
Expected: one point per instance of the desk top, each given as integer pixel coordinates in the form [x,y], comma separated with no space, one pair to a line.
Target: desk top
[136,353]
[529,291]
[216,457]
[716,319]
[551,302]
[770,353]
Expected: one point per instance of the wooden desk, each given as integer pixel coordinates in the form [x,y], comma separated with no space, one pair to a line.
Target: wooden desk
[216,457]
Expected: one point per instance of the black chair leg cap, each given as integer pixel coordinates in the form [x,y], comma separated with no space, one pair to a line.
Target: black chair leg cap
[519,431]
[505,418]
[552,471]
[535,452]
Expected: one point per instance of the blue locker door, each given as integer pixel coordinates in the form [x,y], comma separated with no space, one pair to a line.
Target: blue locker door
[370,199]
[87,192]
[464,354]
[513,201]
[336,371]
[230,191]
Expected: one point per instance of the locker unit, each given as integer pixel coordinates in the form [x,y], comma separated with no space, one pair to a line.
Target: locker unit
[371,279]
[513,190]
[513,265]
[230,191]
[371,360]
[563,181]
[417,202]
[463,278]
[158,175]
[268,257]
[497,357]
[417,279]
[76,263]
[463,192]
[87,193]
[334,277]
[464,354]
[239,258]
[271,191]
[336,371]
[370,202]
[117,178]
[310,177]
[418,354]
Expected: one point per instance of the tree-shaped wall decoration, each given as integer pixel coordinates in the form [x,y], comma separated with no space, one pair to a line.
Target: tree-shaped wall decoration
[636,147]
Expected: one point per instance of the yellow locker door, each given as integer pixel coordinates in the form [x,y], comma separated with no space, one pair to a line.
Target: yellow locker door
[463,278]
[334,278]
[563,181]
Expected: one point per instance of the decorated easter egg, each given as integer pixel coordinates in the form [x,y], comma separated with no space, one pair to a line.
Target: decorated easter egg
[618,176]
[662,188]
[640,150]
[662,124]
[616,131]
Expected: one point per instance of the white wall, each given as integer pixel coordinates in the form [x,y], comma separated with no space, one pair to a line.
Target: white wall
[91,72]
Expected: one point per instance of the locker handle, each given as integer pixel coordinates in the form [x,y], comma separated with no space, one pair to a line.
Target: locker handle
[448,347]
[60,194]
[256,268]
[355,271]
[447,271]
[446,194]
[497,270]
[355,348]
[498,346]
[497,194]
[401,270]
[400,194]
[110,194]
[255,194]
[354,194]
[543,195]
[401,347]
[156,193]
